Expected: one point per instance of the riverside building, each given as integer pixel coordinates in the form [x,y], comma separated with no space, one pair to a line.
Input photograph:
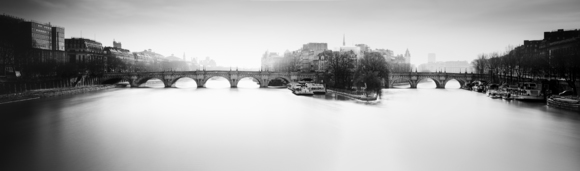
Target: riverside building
[81,50]
[29,43]
[115,55]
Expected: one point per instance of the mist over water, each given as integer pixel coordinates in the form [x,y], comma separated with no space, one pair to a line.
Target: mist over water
[251,128]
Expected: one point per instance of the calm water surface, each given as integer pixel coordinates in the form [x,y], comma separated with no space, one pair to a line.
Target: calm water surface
[223,129]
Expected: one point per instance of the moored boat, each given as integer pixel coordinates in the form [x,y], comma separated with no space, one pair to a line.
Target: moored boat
[564,103]
[302,90]
[479,86]
[507,97]
[492,90]
[529,91]
[292,85]
[316,88]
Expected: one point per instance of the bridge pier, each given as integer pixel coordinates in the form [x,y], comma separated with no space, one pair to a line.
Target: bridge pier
[414,83]
[168,84]
[200,83]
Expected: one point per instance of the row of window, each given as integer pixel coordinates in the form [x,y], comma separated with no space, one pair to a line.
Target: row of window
[42,46]
[41,36]
[43,26]
[40,31]
[84,50]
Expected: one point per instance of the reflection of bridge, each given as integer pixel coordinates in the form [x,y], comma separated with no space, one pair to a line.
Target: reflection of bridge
[264,78]
[201,77]
[439,78]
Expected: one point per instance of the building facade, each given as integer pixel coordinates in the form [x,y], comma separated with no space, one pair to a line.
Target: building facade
[446,66]
[316,47]
[271,61]
[81,50]
[363,48]
[25,46]
[119,59]
[117,44]
[148,60]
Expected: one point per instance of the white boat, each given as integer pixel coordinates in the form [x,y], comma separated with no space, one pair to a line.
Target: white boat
[492,90]
[302,90]
[316,88]
[506,90]
[529,91]
[291,85]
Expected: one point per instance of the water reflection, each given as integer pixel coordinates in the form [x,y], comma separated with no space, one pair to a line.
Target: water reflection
[452,84]
[153,83]
[429,83]
[217,82]
[248,83]
[185,83]
[272,129]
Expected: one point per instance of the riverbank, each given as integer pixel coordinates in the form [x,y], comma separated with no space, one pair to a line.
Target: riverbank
[357,96]
[43,93]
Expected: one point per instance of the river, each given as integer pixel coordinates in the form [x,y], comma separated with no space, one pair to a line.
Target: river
[251,128]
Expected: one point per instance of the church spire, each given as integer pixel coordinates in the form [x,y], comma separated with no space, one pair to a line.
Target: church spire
[343,42]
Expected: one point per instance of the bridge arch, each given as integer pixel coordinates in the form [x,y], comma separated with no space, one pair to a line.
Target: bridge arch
[173,82]
[212,76]
[435,80]
[144,80]
[461,81]
[393,81]
[113,80]
[246,76]
[284,78]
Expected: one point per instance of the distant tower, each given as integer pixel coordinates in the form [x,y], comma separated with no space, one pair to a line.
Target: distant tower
[183,56]
[343,42]
[407,56]
[116,44]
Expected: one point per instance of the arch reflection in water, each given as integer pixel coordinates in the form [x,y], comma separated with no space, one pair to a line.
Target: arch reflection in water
[153,83]
[248,82]
[185,82]
[278,82]
[430,83]
[217,82]
[453,83]
[426,83]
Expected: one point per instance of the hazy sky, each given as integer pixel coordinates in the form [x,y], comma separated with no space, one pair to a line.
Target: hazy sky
[238,32]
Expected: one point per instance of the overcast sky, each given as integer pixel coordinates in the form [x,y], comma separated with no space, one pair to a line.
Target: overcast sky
[238,32]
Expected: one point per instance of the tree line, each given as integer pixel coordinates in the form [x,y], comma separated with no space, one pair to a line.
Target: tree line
[344,71]
[523,62]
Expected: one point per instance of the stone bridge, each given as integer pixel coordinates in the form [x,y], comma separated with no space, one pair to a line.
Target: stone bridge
[440,78]
[201,77]
[264,77]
